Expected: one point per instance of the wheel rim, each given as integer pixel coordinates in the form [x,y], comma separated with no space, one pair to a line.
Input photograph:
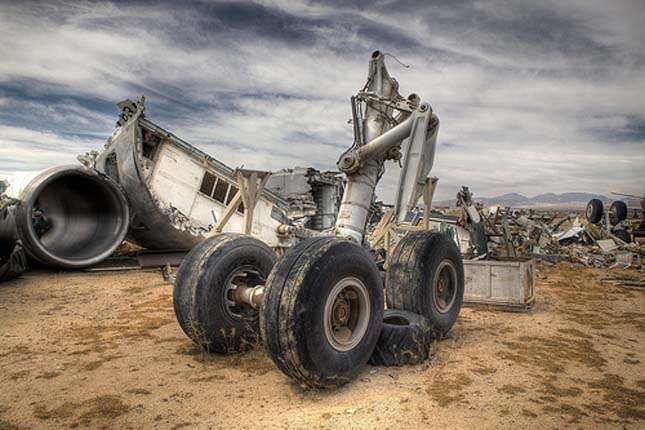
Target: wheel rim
[613,214]
[346,314]
[248,275]
[444,292]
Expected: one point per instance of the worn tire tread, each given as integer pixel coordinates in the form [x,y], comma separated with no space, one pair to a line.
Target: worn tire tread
[279,319]
[406,277]
[190,311]
[402,345]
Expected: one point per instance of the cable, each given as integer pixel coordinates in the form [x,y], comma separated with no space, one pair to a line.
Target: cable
[407,66]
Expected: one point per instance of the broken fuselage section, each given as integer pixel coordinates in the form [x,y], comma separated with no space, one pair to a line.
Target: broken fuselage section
[176,192]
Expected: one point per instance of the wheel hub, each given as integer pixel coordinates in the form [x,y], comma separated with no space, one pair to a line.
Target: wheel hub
[245,276]
[346,314]
[340,311]
[445,288]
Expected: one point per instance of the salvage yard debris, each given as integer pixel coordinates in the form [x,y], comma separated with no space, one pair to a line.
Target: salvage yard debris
[592,240]
[314,197]
[500,244]
[68,217]
[168,195]
[13,261]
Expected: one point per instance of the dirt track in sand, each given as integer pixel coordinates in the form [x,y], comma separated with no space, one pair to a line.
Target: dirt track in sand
[104,351]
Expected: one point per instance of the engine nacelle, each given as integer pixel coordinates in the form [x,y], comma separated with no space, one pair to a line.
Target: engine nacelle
[67,216]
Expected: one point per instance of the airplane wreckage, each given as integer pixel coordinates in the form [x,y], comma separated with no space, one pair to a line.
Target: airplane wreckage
[320,307]
[159,192]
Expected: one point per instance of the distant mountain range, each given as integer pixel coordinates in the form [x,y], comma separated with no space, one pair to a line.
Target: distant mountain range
[547,200]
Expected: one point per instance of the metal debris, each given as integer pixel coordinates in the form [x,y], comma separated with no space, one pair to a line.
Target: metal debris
[501,232]
[177,193]
[314,197]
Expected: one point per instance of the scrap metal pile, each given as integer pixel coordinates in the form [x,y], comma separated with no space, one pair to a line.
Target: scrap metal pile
[314,197]
[601,237]
[13,260]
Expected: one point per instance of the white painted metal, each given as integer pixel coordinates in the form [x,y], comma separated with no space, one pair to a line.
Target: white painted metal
[417,161]
[357,198]
[176,177]
[379,133]
[176,180]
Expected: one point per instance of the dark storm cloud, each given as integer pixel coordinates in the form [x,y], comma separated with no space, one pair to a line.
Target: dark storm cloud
[533,96]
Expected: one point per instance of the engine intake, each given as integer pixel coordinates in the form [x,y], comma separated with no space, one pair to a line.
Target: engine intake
[68,217]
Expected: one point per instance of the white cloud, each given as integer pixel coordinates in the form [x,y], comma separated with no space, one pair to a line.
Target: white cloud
[519,112]
[23,149]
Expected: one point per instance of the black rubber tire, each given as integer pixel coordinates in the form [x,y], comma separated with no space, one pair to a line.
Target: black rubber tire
[617,212]
[199,294]
[405,339]
[411,281]
[623,235]
[15,265]
[292,311]
[594,209]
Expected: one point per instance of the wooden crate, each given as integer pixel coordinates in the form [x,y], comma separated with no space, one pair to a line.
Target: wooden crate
[507,284]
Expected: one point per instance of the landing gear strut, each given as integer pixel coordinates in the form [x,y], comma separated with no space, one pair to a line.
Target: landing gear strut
[321,310]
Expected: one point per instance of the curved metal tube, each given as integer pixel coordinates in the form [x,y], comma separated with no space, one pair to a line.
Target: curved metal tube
[385,141]
[68,217]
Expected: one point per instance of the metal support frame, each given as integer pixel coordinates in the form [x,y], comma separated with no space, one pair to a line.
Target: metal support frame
[379,135]
[249,192]
[389,231]
[428,193]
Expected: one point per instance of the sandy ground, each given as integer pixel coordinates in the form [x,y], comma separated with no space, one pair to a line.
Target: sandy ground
[104,351]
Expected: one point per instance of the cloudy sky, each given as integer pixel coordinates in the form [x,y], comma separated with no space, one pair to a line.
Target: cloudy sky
[533,97]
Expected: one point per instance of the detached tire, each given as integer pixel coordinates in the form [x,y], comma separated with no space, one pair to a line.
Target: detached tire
[623,235]
[201,296]
[617,212]
[593,212]
[405,339]
[322,311]
[426,276]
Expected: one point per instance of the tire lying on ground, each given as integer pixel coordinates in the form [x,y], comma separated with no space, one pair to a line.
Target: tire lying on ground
[593,212]
[322,311]
[14,265]
[623,235]
[426,276]
[405,339]
[617,212]
[203,288]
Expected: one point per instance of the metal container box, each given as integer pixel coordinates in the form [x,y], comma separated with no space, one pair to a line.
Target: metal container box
[506,284]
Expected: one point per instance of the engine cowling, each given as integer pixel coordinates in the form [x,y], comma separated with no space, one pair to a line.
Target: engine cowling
[67,217]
